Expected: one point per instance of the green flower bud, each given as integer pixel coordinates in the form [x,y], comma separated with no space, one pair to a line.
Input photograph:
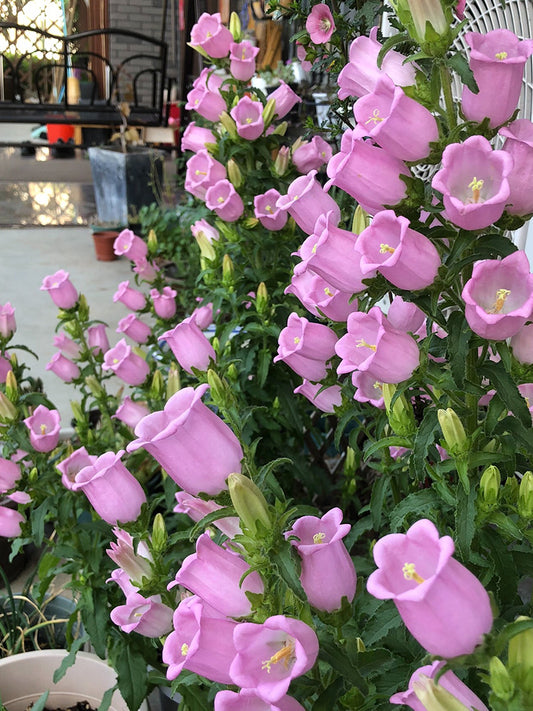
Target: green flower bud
[281,164]
[11,386]
[490,485]
[217,387]
[453,431]
[227,271]
[281,128]
[139,351]
[8,411]
[234,173]
[211,148]
[199,49]
[510,490]
[77,411]
[159,533]
[229,124]
[269,112]
[152,242]
[83,308]
[249,503]
[251,222]
[525,497]
[400,414]
[232,372]
[521,648]
[360,645]
[298,143]
[206,248]
[92,382]
[173,381]
[157,387]
[499,679]
[235,26]
[349,462]
[361,220]
[33,475]
[261,300]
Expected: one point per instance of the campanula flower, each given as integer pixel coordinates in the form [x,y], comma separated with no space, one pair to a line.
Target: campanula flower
[320,24]
[134,328]
[61,289]
[319,297]
[519,144]
[131,412]
[242,60]
[190,346]
[311,155]
[285,99]
[8,324]
[73,464]
[196,137]
[306,200]
[127,365]
[248,117]
[164,302]
[147,616]
[63,367]
[211,35]
[326,399]
[130,245]
[44,425]
[269,215]
[305,347]
[197,509]
[202,172]
[225,201]
[249,700]
[133,299]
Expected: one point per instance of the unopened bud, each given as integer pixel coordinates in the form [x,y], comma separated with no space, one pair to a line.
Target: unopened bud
[217,387]
[8,411]
[232,372]
[261,300]
[206,248]
[434,697]
[92,382]
[234,173]
[211,148]
[400,413]
[298,143]
[520,651]
[525,497]
[139,351]
[499,679]
[199,49]
[510,490]
[77,411]
[229,124]
[281,129]
[173,381]
[216,344]
[235,26]
[13,360]
[249,503]
[269,112]
[159,533]
[453,431]
[361,220]
[360,645]
[157,386]
[83,308]
[349,462]
[33,475]
[489,485]
[227,271]
[281,164]
[11,386]
[251,222]
[152,241]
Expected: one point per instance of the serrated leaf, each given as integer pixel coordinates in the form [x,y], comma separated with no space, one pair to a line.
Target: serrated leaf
[377,497]
[459,335]
[424,438]
[419,503]
[385,619]
[389,43]
[464,520]
[503,565]
[337,659]
[70,658]
[507,389]
[393,441]
[131,674]
[285,563]
[459,64]
[328,698]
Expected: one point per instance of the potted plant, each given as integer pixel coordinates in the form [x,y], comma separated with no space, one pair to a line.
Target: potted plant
[126,174]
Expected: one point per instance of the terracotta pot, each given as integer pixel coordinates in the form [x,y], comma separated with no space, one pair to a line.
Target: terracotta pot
[103,245]
[25,676]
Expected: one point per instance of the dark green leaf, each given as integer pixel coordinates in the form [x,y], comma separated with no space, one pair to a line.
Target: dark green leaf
[424,438]
[328,698]
[40,704]
[506,388]
[70,658]
[393,441]
[285,564]
[337,659]
[503,564]
[131,674]
[419,503]
[464,520]
[459,335]
[379,489]
[459,64]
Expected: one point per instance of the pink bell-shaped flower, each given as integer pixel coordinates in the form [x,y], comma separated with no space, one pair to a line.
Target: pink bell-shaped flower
[285,99]
[368,173]
[333,254]
[271,654]
[197,509]
[360,75]
[67,346]
[306,200]
[397,123]
[326,399]
[133,299]
[203,171]
[97,338]
[127,365]
[497,60]
[448,681]
[371,344]
[242,60]
[44,426]
[9,474]
[499,296]
[190,346]
[441,602]
[319,297]
[8,324]
[328,573]
[408,259]
[406,316]
[522,344]
[305,347]
[131,412]
[147,616]
[311,155]
[320,24]
[193,445]
[225,201]
[73,464]
[269,215]
[202,641]
[249,700]
[205,97]
[164,302]
[130,245]
[248,117]
[473,182]
[214,574]
[61,289]
[10,522]
[63,368]
[196,137]
[135,561]
[210,35]
[368,389]
[134,328]
[519,145]
[113,492]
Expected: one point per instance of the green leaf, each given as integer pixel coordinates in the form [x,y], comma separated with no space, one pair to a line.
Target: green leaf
[336,657]
[506,388]
[379,489]
[95,617]
[106,699]
[389,43]
[464,520]
[264,359]
[70,658]
[285,564]
[459,335]
[40,704]
[385,619]
[393,441]
[503,565]
[131,674]
[424,438]
[328,698]
[459,64]
[419,503]
[505,524]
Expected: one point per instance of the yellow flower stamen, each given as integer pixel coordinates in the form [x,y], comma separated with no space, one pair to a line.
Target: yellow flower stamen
[327,291]
[248,120]
[268,208]
[220,199]
[378,386]
[375,118]
[115,360]
[501,55]
[296,340]
[184,649]
[43,429]
[200,172]
[295,198]
[409,573]
[501,296]
[208,35]
[325,24]
[361,343]
[319,537]
[243,56]
[285,655]
[476,186]
[386,248]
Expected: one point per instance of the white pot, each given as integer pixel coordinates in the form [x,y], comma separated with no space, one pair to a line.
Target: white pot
[24,677]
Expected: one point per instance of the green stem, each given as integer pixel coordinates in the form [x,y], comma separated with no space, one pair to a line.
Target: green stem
[446,84]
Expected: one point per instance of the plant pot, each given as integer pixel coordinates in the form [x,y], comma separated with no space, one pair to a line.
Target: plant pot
[125,182]
[24,677]
[103,245]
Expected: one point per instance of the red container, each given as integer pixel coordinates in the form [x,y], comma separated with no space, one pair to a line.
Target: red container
[56,131]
